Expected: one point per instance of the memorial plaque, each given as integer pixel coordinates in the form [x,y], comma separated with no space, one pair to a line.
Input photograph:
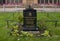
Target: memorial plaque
[30,19]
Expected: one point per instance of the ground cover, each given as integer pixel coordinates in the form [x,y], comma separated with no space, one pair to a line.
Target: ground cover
[4,31]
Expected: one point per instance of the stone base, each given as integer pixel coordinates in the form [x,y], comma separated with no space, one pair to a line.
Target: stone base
[33,32]
[30,29]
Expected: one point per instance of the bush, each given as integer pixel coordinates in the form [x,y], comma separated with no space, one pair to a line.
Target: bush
[41,24]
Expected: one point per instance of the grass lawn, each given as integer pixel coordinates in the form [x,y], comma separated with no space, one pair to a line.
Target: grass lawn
[4,31]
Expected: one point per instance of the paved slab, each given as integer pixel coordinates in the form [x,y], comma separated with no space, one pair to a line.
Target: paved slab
[21,9]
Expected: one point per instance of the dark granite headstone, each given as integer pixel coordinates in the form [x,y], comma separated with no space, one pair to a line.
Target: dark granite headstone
[29,19]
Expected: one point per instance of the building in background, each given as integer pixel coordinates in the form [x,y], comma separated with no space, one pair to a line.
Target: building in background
[26,2]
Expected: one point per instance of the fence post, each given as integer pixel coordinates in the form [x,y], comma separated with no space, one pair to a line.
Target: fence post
[7,23]
[55,23]
[4,7]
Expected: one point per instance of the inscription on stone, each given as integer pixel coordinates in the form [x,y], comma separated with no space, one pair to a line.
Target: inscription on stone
[29,19]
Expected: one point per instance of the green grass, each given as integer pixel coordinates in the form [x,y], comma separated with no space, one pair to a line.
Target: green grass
[4,31]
